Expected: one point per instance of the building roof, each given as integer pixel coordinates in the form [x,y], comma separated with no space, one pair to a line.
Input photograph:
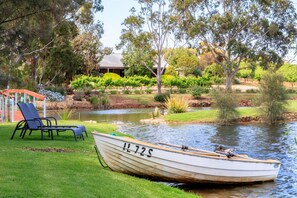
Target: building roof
[113,61]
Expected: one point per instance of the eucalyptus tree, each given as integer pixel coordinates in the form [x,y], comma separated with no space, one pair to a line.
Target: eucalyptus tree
[149,31]
[183,59]
[87,43]
[27,28]
[234,31]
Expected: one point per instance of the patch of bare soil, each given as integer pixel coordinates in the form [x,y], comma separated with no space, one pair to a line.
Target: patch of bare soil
[53,150]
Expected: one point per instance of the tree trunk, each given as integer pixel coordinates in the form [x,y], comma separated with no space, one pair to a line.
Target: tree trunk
[229,78]
[159,73]
[159,83]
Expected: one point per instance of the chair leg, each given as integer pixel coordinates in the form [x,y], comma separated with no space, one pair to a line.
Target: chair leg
[13,133]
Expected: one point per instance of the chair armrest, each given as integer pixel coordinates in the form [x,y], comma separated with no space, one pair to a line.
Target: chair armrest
[53,118]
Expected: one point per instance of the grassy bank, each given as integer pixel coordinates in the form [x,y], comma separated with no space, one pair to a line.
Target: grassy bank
[210,115]
[70,169]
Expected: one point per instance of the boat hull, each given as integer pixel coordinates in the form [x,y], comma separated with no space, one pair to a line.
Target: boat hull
[130,156]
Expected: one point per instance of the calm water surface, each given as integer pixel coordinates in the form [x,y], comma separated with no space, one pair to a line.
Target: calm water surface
[257,141]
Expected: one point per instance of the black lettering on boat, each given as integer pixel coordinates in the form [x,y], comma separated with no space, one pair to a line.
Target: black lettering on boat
[143,149]
[128,148]
[150,152]
[124,146]
[137,147]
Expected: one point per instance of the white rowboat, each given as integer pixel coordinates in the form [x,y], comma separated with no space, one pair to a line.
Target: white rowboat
[134,157]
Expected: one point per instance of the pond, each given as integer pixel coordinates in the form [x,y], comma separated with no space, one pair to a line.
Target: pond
[257,141]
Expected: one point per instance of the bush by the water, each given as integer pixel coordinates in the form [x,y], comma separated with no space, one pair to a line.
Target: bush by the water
[272,99]
[176,105]
[225,102]
[161,97]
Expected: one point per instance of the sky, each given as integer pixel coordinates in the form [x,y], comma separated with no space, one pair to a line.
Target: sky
[113,15]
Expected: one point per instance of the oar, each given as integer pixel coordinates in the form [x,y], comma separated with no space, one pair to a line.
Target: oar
[193,149]
[204,152]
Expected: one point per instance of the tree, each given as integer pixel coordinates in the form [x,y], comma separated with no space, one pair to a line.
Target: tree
[182,58]
[27,29]
[152,39]
[272,99]
[245,70]
[234,31]
[89,47]
[289,72]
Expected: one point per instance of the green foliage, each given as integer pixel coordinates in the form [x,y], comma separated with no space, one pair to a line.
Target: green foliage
[113,92]
[170,70]
[245,70]
[183,59]
[289,72]
[145,45]
[161,97]
[66,114]
[99,101]
[258,30]
[259,72]
[176,105]
[126,91]
[196,91]
[112,76]
[225,102]
[272,99]
[214,70]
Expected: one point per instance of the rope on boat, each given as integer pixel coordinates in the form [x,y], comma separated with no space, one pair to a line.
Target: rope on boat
[99,158]
[226,153]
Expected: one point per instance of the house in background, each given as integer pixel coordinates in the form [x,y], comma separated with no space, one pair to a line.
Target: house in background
[112,63]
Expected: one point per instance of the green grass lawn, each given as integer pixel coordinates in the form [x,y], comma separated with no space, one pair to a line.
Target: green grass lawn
[26,170]
[210,115]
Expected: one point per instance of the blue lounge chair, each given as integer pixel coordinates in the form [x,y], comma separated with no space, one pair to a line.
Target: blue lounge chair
[40,124]
[54,121]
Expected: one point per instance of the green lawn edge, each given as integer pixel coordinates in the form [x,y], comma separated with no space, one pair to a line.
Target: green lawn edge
[210,115]
[73,173]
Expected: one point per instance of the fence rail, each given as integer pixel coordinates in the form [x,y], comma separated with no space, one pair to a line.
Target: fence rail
[10,97]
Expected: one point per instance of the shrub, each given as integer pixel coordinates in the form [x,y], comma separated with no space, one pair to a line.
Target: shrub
[65,114]
[176,105]
[226,104]
[99,101]
[272,99]
[126,91]
[104,100]
[196,91]
[52,96]
[113,92]
[148,90]
[78,95]
[113,76]
[94,100]
[161,97]
[137,91]
[58,89]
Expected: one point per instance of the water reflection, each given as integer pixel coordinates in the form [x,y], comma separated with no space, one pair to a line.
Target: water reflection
[257,141]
